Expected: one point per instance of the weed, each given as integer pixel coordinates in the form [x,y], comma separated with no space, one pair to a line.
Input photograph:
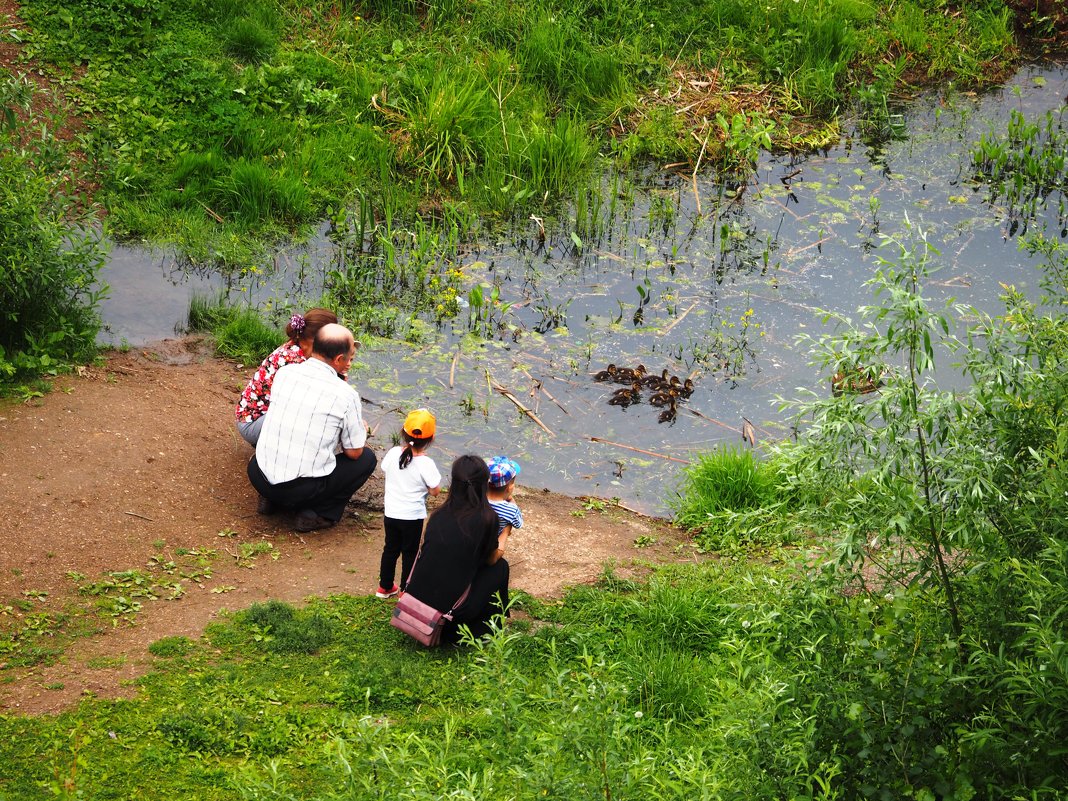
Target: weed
[171,647]
[281,629]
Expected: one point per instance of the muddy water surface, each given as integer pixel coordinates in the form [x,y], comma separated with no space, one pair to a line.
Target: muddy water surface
[695,277]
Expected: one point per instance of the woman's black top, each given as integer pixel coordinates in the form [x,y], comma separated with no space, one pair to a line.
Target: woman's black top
[453,551]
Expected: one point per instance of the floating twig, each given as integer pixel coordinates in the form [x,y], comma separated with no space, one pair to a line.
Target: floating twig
[678,319]
[452,372]
[541,386]
[713,420]
[519,405]
[638,450]
[696,167]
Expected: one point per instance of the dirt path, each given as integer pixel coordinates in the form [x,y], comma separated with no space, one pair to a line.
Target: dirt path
[135,465]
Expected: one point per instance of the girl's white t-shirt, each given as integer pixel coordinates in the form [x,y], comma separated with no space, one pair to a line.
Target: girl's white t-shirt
[406,489]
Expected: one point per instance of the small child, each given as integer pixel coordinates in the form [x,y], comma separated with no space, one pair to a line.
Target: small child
[503,472]
[410,476]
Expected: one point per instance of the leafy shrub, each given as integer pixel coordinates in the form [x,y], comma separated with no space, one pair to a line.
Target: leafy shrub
[48,264]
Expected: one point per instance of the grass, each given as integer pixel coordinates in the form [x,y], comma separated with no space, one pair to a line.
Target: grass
[217,128]
[717,493]
[729,679]
[240,332]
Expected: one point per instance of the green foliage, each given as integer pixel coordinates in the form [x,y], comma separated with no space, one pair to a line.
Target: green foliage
[289,111]
[49,258]
[723,482]
[250,41]
[240,332]
[1026,167]
[171,647]
[282,629]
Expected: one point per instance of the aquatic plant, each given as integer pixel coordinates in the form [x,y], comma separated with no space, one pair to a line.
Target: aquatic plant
[1026,167]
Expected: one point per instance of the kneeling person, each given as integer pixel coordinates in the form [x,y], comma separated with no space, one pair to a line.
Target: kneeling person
[312,414]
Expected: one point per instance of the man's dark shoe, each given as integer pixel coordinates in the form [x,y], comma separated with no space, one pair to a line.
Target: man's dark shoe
[307,520]
[265,507]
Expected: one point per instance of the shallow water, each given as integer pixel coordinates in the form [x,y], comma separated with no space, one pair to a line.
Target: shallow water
[657,287]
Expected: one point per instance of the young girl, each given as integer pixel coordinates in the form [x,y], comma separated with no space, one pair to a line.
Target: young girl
[257,395]
[410,476]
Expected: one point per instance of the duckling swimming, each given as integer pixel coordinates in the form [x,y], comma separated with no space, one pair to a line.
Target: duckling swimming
[608,374]
[656,381]
[664,397]
[667,416]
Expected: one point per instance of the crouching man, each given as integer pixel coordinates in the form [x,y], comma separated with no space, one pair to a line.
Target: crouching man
[312,415]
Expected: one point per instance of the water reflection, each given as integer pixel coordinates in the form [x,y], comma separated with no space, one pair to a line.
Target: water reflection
[705,280]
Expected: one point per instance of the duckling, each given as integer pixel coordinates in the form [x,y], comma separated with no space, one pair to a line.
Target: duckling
[608,374]
[656,381]
[858,381]
[664,397]
[624,397]
[625,375]
[640,371]
[667,416]
[687,388]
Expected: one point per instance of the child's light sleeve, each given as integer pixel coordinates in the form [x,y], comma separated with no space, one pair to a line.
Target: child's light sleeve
[431,474]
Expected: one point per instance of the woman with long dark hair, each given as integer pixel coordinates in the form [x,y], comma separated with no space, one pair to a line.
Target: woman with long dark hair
[460,550]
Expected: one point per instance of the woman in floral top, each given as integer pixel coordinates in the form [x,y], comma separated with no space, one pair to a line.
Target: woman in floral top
[257,395]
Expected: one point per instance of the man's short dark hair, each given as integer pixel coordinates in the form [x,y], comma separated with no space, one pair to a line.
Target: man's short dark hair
[331,342]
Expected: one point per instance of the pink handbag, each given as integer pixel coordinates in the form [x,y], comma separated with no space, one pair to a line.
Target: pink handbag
[420,621]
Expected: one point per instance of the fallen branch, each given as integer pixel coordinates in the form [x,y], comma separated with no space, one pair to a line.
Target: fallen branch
[215,216]
[713,420]
[678,319]
[541,385]
[519,405]
[452,372]
[638,450]
[134,514]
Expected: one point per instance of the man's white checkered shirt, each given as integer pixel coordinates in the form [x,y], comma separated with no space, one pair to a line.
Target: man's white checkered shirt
[312,412]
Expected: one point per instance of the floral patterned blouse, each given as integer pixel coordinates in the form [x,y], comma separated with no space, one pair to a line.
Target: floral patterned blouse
[257,395]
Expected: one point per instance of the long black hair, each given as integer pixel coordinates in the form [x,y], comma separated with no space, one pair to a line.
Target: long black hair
[467,492]
[411,445]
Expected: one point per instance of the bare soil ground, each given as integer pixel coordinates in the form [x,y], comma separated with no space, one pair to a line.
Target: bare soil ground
[138,458]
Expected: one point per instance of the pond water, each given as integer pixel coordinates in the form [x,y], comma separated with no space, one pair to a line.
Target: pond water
[668,282]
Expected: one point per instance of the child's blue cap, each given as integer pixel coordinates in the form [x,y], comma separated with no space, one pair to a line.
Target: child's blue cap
[502,470]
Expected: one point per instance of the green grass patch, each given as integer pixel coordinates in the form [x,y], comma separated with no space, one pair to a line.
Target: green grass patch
[289,111]
[240,332]
[719,495]
[742,680]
